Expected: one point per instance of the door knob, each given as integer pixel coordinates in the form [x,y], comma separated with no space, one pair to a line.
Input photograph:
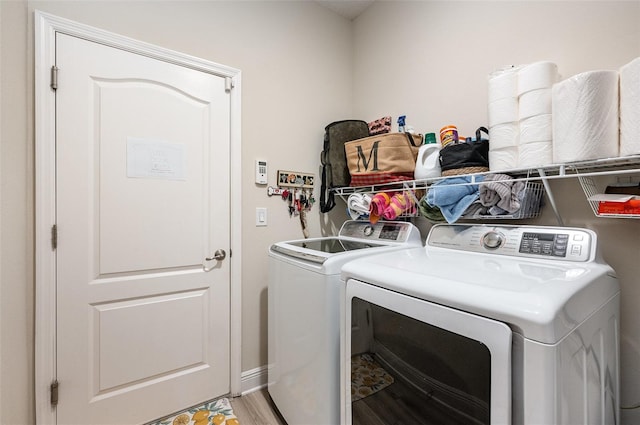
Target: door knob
[219,255]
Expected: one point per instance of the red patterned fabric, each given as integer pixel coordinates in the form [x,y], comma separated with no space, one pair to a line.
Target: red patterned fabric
[380,126]
[379,178]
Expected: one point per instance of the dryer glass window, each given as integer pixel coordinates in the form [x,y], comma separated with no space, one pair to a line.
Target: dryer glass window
[437,376]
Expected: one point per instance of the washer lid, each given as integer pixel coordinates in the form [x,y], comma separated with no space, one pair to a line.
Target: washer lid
[332,245]
[319,250]
[355,239]
[542,300]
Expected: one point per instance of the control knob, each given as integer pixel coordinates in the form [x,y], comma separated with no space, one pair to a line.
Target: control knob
[492,240]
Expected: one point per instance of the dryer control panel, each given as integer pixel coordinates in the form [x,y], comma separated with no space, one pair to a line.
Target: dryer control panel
[554,243]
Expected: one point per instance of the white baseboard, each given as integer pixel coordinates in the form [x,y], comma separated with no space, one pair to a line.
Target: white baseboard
[253,380]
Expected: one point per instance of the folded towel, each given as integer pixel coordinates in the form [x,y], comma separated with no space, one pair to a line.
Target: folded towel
[379,203]
[453,196]
[399,204]
[501,191]
[358,205]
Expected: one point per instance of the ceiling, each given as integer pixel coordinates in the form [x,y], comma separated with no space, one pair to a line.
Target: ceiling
[350,9]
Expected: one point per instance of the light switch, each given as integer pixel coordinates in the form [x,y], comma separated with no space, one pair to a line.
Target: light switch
[261,216]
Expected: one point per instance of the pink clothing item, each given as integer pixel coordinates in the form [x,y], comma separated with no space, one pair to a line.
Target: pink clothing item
[398,205]
[379,204]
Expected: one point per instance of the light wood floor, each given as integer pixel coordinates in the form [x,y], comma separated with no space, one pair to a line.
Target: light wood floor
[256,408]
[396,404]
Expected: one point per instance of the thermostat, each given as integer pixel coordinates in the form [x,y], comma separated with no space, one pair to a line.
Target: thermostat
[261,171]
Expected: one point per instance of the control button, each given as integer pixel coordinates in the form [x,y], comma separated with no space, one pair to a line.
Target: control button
[578,237]
[576,249]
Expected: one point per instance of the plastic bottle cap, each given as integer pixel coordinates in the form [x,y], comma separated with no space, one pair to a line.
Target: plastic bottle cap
[429,138]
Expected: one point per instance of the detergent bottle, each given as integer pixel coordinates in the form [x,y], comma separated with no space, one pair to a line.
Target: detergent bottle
[428,161]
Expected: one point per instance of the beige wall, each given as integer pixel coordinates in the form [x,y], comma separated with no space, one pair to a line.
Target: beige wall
[295,59]
[304,67]
[430,61]
[16,218]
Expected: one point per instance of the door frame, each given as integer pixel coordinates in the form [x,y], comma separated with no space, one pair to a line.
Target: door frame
[46,27]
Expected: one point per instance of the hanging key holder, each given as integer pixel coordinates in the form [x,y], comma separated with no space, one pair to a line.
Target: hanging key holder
[275,191]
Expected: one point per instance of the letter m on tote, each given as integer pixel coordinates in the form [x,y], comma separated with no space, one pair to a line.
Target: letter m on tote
[373,153]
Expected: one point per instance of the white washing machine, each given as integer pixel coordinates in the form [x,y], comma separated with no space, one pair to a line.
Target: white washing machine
[484,325]
[304,295]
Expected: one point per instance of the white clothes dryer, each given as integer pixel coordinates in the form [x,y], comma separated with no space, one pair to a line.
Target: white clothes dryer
[484,325]
[304,296]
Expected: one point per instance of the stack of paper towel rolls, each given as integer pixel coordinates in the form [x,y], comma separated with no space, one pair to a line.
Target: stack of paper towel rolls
[535,146]
[535,120]
[520,120]
[630,108]
[585,117]
[503,119]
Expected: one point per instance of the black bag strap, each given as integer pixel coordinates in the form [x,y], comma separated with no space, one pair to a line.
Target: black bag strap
[479,133]
[411,140]
[327,200]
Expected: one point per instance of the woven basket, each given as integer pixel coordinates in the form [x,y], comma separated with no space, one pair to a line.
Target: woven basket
[465,170]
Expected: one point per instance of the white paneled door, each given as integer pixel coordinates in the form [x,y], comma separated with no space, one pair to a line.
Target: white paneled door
[142,212]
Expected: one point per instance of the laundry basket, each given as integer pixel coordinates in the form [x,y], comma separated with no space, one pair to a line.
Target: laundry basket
[530,205]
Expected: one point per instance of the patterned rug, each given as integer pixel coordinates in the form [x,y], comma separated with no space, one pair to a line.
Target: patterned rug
[367,377]
[218,412]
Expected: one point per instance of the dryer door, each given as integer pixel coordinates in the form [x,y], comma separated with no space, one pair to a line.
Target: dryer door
[446,365]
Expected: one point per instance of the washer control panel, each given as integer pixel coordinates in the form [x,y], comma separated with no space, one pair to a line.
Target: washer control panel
[383,231]
[555,243]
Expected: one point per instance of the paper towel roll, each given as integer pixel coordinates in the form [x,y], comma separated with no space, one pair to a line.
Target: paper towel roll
[503,159]
[534,102]
[503,110]
[538,75]
[536,129]
[503,83]
[503,135]
[630,108]
[585,117]
[535,154]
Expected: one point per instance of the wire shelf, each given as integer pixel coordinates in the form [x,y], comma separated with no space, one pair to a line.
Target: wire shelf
[585,171]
